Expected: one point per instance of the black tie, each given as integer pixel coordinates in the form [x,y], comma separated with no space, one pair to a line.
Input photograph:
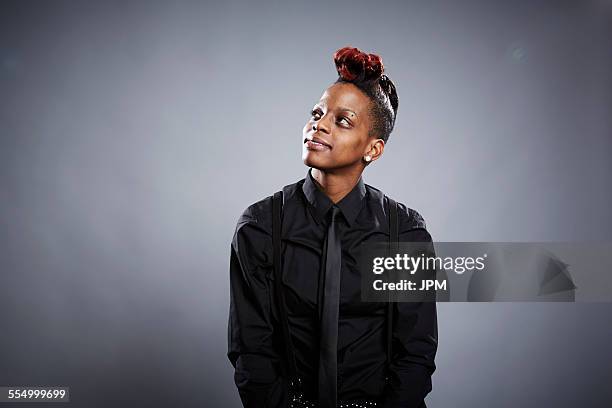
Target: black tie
[328,363]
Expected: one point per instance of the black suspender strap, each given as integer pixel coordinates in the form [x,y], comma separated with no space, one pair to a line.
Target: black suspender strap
[393,239]
[277,202]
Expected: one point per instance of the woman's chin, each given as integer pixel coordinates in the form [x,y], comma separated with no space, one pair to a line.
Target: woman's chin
[313,162]
[310,159]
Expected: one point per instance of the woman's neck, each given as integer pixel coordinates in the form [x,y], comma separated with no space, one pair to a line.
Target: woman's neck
[335,185]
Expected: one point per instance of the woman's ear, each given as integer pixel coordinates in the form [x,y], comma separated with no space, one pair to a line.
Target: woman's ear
[374,151]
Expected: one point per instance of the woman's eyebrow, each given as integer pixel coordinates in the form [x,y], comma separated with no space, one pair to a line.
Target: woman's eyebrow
[340,108]
[347,110]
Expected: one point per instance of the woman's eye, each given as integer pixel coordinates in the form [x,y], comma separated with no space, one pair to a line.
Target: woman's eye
[314,112]
[345,120]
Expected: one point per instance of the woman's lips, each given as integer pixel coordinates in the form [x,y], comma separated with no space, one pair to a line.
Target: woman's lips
[312,145]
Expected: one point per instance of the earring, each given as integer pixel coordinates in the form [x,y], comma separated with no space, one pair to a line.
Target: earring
[367,158]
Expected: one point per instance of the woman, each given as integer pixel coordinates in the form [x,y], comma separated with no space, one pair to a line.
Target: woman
[339,342]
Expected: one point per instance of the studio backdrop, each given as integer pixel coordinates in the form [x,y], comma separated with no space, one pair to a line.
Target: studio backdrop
[134,134]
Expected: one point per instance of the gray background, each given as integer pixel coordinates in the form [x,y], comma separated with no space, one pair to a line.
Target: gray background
[134,134]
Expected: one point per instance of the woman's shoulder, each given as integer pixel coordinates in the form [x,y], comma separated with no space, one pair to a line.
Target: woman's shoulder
[408,217]
[259,213]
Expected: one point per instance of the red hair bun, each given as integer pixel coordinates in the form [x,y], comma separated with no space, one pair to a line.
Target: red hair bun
[355,65]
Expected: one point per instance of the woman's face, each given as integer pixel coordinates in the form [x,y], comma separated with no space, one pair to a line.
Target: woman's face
[342,123]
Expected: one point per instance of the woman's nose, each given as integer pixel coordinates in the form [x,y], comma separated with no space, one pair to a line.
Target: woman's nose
[321,125]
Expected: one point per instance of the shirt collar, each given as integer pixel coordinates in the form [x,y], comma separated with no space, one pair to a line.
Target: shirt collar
[350,205]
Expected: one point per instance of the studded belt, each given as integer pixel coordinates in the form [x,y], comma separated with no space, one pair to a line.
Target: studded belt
[301,403]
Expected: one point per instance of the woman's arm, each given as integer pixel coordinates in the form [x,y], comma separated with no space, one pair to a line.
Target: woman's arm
[250,329]
[415,342]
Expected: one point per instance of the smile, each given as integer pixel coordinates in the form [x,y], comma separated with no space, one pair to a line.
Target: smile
[312,145]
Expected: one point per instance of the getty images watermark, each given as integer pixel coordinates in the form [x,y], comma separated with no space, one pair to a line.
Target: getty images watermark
[411,264]
[486,271]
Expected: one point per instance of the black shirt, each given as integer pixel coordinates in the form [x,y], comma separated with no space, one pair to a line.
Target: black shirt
[255,345]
